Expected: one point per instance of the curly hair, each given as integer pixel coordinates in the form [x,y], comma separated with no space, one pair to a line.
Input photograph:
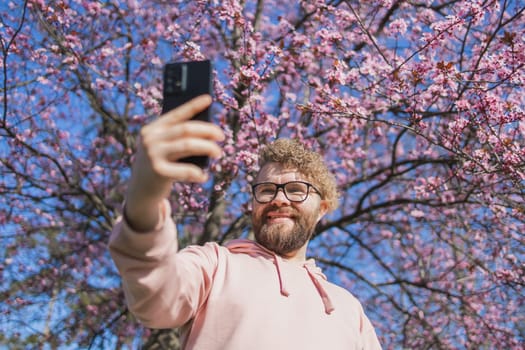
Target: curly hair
[293,154]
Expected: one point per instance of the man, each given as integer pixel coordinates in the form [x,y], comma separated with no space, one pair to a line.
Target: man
[247,295]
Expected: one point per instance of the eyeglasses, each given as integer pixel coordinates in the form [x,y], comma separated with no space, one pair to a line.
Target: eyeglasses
[294,191]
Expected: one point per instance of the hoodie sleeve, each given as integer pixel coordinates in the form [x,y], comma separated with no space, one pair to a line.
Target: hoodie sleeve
[163,288]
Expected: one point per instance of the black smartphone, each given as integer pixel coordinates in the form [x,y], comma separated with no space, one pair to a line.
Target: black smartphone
[184,81]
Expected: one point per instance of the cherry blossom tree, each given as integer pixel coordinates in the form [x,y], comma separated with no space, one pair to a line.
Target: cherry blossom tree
[417,106]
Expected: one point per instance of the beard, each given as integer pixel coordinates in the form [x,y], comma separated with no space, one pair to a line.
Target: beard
[280,237]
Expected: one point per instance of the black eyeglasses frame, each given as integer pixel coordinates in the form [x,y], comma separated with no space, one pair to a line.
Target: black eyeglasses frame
[282,186]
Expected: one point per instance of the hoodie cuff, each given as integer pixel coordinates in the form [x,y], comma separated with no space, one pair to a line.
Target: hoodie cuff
[164,211]
[152,244]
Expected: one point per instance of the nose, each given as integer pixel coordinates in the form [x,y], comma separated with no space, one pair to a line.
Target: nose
[280,197]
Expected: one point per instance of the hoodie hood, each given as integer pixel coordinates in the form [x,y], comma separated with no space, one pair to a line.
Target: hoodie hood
[245,246]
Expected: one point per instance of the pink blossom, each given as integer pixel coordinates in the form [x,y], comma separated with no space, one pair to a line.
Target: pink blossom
[416,213]
[398,27]
[425,136]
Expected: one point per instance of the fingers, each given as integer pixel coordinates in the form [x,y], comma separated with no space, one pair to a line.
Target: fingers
[176,123]
[181,172]
[192,138]
[157,162]
[174,136]
[192,129]
[182,148]
[187,110]
[164,158]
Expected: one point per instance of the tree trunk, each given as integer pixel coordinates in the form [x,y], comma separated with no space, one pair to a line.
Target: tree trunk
[163,339]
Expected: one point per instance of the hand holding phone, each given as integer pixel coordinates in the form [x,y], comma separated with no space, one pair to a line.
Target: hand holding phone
[184,81]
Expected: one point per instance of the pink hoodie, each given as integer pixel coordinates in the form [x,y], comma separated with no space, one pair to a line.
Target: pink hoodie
[241,296]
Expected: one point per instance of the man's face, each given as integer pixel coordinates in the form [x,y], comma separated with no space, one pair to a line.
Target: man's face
[281,225]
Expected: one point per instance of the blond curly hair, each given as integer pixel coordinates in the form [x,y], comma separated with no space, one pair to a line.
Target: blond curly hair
[293,154]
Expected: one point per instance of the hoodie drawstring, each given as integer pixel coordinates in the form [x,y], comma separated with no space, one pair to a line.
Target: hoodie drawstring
[253,249]
[277,263]
[328,306]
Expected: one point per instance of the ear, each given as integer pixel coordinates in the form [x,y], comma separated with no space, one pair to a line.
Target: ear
[323,209]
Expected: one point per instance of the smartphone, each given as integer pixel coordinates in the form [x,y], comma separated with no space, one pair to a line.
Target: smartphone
[184,81]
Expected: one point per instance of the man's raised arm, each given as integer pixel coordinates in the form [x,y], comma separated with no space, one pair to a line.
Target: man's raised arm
[164,141]
[143,243]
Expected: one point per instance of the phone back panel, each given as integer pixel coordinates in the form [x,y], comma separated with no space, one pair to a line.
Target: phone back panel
[184,81]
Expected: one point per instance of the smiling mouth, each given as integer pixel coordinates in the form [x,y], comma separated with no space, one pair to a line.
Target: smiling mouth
[278,217]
